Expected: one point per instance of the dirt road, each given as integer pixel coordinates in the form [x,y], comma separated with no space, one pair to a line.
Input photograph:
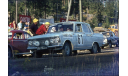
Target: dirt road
[105,63]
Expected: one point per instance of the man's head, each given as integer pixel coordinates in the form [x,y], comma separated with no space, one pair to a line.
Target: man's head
[61,28]
[35,21]
[20,21]
[47,24]
[26,23]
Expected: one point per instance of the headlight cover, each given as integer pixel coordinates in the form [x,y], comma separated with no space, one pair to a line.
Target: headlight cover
[46,42]
[36,43]
[29,42]
[55,40]
[105,40]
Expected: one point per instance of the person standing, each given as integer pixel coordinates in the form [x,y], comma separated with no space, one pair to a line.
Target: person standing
[20,25]
[34,27]
[43,29]
[13,25]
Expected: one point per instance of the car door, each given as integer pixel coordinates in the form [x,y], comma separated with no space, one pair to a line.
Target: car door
[80,36]
[88,36]
[19,45]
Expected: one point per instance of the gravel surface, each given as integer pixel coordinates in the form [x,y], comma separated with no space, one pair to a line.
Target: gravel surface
[105,63]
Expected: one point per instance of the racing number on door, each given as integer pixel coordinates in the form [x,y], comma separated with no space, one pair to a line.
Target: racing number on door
[80,39]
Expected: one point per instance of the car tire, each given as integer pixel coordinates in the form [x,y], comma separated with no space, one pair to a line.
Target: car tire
[66,51]
[117,44]
[9,53]
[110,44]
[37,54]
[94,48]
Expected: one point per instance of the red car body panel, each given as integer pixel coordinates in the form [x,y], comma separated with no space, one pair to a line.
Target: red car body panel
[18,44]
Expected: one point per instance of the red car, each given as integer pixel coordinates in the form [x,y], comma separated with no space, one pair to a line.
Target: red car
[17,43]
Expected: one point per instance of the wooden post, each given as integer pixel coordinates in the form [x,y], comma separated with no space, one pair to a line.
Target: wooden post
[80,10]
[69,6]
[16,11]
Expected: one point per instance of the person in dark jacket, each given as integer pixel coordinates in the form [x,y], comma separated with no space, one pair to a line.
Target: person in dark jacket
[33,28]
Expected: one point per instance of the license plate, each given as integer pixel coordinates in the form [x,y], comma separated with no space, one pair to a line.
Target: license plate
[42,47]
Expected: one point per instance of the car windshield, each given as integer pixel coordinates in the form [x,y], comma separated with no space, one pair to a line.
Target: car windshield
[9,35]
[60,28]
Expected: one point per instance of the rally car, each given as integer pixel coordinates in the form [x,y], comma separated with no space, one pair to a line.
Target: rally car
[66,37]
[110,39]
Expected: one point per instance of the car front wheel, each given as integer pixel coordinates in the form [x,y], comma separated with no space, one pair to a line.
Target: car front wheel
[66,51]
[94,48]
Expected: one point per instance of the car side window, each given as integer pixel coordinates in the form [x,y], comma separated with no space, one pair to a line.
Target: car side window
[78,28]
[18,36]
[86,29]
[26,35]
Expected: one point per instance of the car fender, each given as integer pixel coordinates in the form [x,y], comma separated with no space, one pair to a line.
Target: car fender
[70,42]
[95,42]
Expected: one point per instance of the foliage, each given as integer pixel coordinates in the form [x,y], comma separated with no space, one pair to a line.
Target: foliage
[44,8]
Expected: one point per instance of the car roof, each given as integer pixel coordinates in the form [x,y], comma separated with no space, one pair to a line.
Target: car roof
[17,31]
[66,22]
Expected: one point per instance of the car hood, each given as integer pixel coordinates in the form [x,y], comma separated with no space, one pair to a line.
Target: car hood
[48,35]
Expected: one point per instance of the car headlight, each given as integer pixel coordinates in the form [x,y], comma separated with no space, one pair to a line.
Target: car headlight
[57,40]
[36,43]
[30,43]
[105,40]
[46,42]
[52,40]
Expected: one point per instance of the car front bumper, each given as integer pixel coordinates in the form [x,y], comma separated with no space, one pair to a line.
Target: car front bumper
[55,47]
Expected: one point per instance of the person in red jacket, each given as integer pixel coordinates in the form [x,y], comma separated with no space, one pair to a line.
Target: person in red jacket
[13,25]
[43,29]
